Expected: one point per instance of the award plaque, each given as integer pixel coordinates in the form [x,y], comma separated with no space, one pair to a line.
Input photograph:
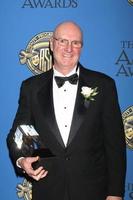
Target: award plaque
[29,143]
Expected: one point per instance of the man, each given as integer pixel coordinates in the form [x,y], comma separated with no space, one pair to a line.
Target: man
[83,130]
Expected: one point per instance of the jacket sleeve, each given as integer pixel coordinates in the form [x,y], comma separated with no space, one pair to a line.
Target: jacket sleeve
[23,116]
[114,141]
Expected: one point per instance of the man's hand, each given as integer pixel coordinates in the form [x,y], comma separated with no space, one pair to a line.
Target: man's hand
[113,198]
[26,165]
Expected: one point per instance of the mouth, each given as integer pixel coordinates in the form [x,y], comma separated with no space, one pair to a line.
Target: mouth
[67,55]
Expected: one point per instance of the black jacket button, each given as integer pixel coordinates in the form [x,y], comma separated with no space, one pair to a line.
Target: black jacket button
[67,158]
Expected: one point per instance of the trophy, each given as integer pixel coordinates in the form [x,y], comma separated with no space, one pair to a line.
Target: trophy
[29,143]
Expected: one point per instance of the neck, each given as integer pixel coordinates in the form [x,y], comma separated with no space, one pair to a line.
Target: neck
[64,70]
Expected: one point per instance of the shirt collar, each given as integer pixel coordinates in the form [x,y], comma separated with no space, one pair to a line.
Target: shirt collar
[74,70]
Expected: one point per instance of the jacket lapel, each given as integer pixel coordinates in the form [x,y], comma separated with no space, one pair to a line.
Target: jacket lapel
[45,96]
[79,111]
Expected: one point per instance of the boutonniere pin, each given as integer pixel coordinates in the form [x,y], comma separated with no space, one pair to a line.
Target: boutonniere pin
[89,93]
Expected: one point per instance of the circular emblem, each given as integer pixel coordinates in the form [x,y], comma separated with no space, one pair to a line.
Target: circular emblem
[128,126]
[37,55]
[24,190]
[131,2]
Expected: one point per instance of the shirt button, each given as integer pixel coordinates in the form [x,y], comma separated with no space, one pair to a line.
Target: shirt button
[67,158]
[64,90]
[65,125]
[65,107]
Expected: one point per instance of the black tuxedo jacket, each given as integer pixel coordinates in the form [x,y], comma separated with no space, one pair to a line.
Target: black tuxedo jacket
[92,166]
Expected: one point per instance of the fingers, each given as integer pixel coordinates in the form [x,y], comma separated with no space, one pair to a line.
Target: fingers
[26,164]
[39,174]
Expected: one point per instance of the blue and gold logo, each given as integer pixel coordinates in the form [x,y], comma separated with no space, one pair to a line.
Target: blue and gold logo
[37,55]
[128,126]
[131,2]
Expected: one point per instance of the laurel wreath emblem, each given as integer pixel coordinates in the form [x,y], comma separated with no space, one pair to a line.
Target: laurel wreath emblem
[24,190]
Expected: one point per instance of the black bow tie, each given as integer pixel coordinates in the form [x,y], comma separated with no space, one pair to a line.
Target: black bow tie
[61,80]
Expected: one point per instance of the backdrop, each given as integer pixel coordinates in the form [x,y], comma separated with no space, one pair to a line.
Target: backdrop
[108,47]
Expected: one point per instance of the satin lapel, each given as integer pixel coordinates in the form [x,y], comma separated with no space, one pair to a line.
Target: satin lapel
[79,112]
[46,104]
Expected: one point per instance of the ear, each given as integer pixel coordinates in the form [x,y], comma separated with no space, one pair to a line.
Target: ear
[51,44]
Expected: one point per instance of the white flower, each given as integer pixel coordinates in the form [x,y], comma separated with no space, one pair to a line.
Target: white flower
[89,93]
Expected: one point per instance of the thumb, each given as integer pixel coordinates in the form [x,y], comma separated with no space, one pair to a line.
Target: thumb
[34,159]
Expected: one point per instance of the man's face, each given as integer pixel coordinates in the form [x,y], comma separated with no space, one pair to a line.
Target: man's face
[66,53]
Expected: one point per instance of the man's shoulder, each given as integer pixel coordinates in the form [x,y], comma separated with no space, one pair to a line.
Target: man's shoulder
[38,79]
[95,75]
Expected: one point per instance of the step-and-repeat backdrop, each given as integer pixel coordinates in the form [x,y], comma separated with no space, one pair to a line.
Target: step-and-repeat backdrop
[26,26]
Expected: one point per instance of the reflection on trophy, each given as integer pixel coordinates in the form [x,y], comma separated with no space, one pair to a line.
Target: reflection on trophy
[28,141]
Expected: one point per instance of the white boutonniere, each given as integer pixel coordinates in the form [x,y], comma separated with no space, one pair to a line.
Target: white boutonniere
[89,93]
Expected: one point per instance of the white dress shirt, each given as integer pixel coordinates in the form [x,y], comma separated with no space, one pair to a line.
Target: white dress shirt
[64,102]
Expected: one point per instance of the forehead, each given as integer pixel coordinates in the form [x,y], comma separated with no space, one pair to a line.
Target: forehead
[68,31]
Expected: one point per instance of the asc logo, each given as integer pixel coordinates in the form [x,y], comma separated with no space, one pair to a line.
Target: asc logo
[128,126]
[131,2]
[37,55]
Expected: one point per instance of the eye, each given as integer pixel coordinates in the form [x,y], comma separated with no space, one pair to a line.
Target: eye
[76,43]
[63,41]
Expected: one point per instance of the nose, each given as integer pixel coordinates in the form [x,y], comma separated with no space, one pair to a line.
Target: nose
[69,47]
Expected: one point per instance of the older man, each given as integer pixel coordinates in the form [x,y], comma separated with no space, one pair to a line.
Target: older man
[76,113]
